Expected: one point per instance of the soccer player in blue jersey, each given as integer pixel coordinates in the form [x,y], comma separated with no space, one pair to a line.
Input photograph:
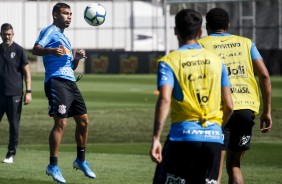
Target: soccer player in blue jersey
[243,61]
[65,99]
[195,88]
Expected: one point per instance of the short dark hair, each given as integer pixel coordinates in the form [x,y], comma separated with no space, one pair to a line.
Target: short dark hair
[6,26]
[217,18]
[58,6]
[188,22]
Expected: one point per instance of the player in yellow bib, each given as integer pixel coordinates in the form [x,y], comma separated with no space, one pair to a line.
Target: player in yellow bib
[193,83]
[242,61]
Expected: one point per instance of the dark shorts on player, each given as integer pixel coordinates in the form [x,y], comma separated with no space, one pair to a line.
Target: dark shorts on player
[65,99]
[238,130]
[188,162]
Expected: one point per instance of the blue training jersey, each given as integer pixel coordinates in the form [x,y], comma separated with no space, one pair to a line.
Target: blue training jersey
[55,66]
[189,130]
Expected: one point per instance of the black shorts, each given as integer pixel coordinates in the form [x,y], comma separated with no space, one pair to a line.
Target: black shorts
[188,162]
[238,130]
[65,99]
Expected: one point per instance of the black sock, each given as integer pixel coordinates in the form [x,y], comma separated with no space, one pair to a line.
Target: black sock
[81,153]
[54,161]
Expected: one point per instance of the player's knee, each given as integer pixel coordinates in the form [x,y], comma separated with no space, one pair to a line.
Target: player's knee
[60,125]
[83,125]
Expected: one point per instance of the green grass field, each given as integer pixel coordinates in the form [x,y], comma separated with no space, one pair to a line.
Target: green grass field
[121,110]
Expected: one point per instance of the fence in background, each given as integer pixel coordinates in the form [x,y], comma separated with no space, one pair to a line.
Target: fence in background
[147,26]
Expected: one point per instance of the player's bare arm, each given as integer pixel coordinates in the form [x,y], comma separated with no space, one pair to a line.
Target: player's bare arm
[41,51]
[161,113]
[78,55]
[27,77]
[265,86]
[227,104]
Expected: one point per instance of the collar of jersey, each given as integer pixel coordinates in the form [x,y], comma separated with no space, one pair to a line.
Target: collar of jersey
[190,46]
[56,28]
[220,34]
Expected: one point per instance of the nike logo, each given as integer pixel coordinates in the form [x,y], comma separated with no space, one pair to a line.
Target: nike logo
[223,40]
[195,55]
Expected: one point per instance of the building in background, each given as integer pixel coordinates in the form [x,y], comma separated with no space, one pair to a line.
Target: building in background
[147,26]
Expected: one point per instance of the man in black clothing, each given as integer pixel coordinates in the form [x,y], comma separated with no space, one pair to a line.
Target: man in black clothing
[14,68]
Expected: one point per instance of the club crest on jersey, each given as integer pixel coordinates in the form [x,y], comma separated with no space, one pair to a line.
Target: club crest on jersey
[173,180]
[62,109]
[13,54]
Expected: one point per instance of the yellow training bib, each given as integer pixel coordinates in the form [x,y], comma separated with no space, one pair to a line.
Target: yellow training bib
[198,73]
[235,52]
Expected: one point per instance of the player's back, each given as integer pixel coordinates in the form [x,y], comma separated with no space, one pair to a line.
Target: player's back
[235,51]
[198,72]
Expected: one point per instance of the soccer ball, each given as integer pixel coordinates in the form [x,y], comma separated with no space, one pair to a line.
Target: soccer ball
[95,14]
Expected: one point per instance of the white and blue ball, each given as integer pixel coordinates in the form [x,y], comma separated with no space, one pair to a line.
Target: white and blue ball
[95,14]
